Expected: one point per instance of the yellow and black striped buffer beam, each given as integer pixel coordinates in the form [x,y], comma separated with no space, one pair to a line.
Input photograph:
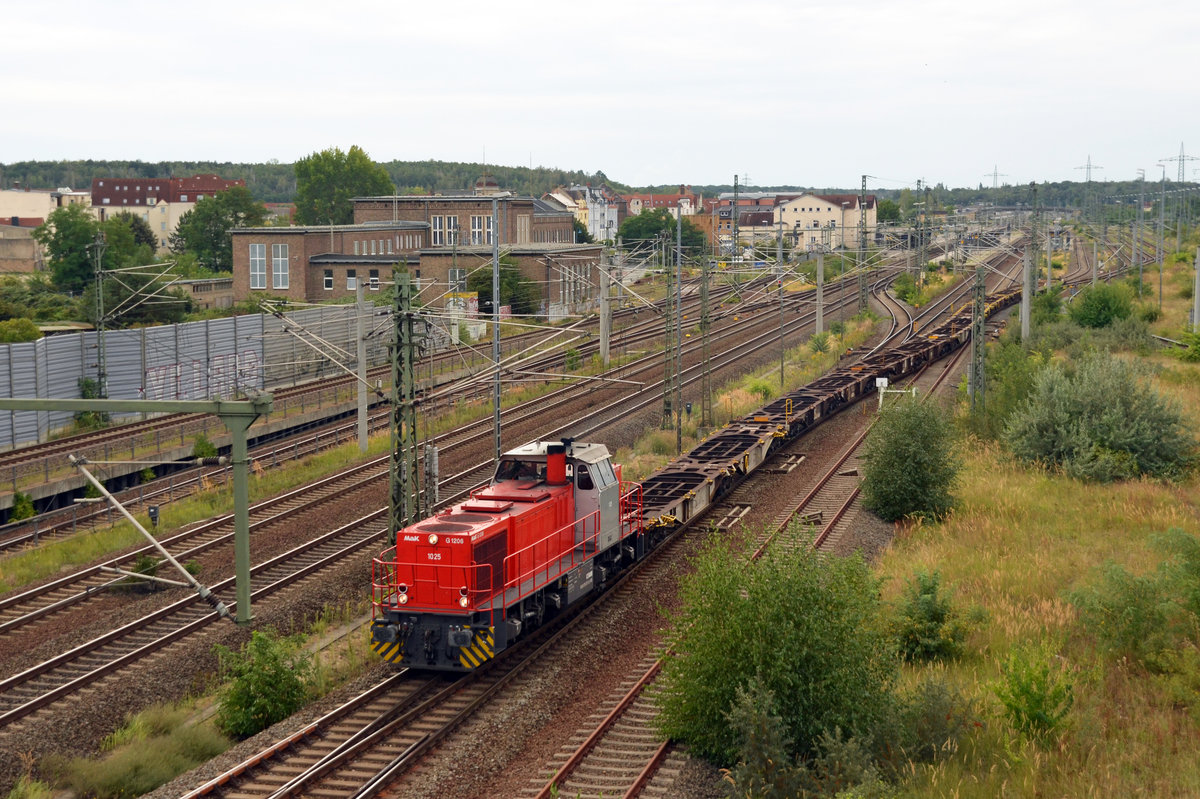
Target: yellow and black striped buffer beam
[474,654]
[391,651]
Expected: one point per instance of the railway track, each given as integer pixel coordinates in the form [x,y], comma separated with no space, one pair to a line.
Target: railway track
[67,678]
[63,675]
[69,521]
[620,753]
[624,741]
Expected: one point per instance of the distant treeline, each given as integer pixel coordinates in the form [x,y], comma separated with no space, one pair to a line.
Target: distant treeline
[276,182]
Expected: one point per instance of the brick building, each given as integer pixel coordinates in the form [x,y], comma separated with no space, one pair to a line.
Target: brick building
[440,238]
[319,263]
[467,218]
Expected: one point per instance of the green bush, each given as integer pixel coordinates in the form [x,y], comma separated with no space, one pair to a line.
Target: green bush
[266,683]
[22,507]
[1100,422]
[905,287]
[762,389]
[1010,371]
[1101,305]
[1148,617]
[571,359]
[908,464]
[934,719]
[1192,351]
[1127,613]
[819,343]
[809,630]
[767,769]
[90,420]
[1149,313]
[1036,696]
[17,330]
[927,625]
[1046,306]
[203,448]
[765,766]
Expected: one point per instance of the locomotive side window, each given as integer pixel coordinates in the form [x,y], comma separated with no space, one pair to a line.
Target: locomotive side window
[583,479]
[605,476]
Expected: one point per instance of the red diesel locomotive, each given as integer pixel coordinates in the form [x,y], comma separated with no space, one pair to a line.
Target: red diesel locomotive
[554,525]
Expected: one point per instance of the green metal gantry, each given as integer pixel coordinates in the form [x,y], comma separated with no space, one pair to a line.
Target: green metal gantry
[237,415]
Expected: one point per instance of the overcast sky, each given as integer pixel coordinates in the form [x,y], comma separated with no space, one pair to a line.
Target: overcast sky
[779,92]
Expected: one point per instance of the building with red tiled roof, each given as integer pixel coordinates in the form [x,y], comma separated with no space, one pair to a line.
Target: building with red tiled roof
[810,221]
[684,203]
[159,201]
[123,193]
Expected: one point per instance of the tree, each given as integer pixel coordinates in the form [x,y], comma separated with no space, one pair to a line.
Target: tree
[1101,305]
[66,236]
[516,291]
[204,230]
[21,329]
[142,232]
[908,465]
[581,233]
[650,223]
[326,181]
[888,211]
[809,630]
[35,297]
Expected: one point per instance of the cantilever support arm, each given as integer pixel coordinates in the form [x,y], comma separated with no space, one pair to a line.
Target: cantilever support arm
[237,415]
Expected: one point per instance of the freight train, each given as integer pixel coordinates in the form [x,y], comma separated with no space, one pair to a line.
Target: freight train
[556,523]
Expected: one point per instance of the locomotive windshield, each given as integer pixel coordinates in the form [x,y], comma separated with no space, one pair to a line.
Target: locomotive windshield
[513,469]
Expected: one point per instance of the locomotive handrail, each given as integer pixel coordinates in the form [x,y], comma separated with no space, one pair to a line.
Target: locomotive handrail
[630,508]
[572,556]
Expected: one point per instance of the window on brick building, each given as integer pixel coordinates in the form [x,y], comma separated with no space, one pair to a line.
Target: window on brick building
[437,231]
[279,266]
[452,230]
[373,280]
[458,280]
[351,280]
[329,280]
[356,252]
[258,266]
[477,229]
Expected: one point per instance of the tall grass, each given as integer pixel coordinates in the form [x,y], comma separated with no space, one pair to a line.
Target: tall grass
[1018,543]
[152,748]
